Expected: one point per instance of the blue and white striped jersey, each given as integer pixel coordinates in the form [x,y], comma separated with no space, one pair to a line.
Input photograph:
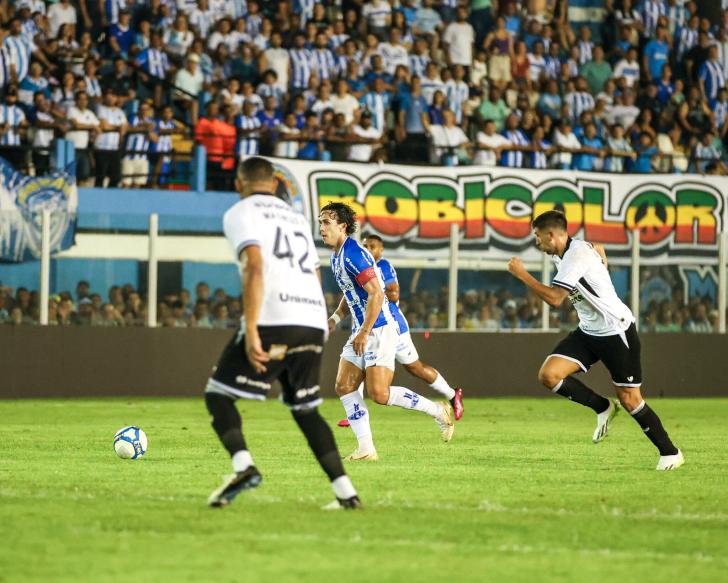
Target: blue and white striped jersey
[430,86]
[13,116]
[305,9]
[552,67]
[301,67]
[389,275]
[538,158]
[338,40]
[720,112]
[353,267]
[253,24]
[164,141]
[418,64]
[685,39]
[137,144]
[153,62]
[113,7]
[19,50]
[457,93]
[93,87]
[579,102]
[377,104]
[324,63]
[115,117]
[713,78]
[248,145]
[203,21]
[514,159]
[586,49]
[651,10]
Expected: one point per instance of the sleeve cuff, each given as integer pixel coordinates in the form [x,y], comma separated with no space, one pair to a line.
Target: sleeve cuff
[247,243]
[566,286]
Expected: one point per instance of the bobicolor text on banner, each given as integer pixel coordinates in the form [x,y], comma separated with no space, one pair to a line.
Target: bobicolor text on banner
[678,217]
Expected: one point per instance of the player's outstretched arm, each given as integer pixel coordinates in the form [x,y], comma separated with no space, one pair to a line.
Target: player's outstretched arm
[374,307]
[553,296]
[252,285]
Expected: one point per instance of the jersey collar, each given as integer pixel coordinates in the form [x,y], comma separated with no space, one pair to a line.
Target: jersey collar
[568,244]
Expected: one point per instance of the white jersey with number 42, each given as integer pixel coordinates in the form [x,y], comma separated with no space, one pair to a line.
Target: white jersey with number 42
[583,274]
[292,294]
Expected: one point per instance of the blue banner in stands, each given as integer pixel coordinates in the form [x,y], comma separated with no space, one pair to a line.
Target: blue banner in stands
[22,202]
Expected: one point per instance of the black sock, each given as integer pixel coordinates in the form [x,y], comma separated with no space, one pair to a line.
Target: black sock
[655,432]
[226,422]
[321,441]
[574,390]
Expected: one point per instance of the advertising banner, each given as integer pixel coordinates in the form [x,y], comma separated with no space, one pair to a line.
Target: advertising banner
[678,217]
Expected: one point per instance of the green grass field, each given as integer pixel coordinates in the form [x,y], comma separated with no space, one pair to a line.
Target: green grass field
[520,494]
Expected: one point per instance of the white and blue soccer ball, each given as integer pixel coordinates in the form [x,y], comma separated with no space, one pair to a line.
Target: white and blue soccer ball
[130,443]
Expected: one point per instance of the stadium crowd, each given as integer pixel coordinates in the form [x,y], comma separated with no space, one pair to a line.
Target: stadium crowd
[134,83]
[664,308]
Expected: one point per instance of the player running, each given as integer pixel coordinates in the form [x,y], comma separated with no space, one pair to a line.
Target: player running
[370,351]
[406,354]
[606,332]
[281,334]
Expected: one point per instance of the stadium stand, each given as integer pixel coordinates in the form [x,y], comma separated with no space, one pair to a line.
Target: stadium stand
[136,84]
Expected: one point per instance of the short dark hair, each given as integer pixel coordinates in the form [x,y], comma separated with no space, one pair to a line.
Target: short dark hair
[374,237]
[344,214]
[255,169]
[550,220]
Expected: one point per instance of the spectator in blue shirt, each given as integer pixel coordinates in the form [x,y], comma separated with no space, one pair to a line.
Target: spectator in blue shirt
[121,35]
[550,102]
[645,152]
[435,112]
[412,122]
[592,149]
[656,55]
[665,85]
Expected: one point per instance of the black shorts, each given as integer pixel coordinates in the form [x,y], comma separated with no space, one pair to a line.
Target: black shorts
[295,363]
[619,353]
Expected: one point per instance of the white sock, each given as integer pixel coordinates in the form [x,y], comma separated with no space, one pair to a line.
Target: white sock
[401,397]
[358,416]
[361,389]
[441,386]
[343,488]
[242,460]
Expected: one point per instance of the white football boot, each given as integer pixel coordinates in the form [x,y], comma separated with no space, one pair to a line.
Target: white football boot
[670,462]
[444,421]
[362,456]
[604,419]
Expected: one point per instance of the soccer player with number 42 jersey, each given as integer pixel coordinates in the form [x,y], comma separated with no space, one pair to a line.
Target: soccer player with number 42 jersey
[281,333]
[606,332]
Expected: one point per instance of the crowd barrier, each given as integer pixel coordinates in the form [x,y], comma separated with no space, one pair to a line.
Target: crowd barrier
[91,362]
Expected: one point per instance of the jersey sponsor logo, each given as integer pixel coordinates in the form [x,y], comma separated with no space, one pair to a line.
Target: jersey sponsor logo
[284,297]
[575,296]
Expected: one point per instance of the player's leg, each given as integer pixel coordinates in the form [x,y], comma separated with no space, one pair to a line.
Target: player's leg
[623,360]
[408,357]
[571,356]
[348,378]
[300,382]
[234,378]
[379,373]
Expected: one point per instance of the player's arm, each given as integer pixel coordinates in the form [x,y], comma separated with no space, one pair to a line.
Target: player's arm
[252,285]
[339,314]
[554,296]
[392,291]
[374,307]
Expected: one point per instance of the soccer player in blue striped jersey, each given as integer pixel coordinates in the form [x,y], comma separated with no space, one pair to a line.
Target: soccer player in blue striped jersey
[369,354]
[407,354]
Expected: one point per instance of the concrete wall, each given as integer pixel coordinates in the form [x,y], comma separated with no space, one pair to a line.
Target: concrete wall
[74,362]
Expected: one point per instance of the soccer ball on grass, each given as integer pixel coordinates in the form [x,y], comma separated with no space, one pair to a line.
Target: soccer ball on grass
[130,443]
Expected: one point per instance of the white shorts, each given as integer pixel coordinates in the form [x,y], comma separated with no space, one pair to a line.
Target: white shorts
[134,171]
[380,350]
[406,351]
